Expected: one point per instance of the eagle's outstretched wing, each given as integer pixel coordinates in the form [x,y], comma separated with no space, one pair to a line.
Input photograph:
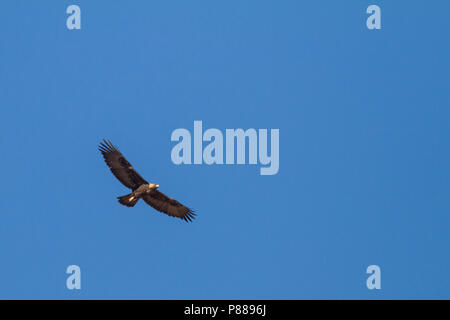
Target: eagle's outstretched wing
[169,206]
[119,166]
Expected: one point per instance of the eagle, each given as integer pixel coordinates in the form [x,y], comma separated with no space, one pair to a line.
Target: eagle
[149,192]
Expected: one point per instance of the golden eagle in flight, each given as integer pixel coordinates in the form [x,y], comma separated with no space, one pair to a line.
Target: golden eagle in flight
[126,174]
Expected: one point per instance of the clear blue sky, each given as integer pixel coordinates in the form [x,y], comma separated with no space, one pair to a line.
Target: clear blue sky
[364,119]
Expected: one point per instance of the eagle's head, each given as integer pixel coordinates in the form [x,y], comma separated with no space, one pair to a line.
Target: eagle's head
[153,186]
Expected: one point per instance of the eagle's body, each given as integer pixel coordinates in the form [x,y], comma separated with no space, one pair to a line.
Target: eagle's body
[141,189]
[130,200]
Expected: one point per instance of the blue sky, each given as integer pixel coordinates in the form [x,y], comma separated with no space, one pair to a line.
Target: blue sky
[364,124]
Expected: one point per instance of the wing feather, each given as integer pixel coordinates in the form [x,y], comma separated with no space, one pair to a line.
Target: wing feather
[120,166]
[169,206]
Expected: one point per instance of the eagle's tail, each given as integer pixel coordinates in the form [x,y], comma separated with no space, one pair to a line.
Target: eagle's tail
[128,200]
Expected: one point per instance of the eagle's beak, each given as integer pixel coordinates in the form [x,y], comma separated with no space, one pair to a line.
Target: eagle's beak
[157,185]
